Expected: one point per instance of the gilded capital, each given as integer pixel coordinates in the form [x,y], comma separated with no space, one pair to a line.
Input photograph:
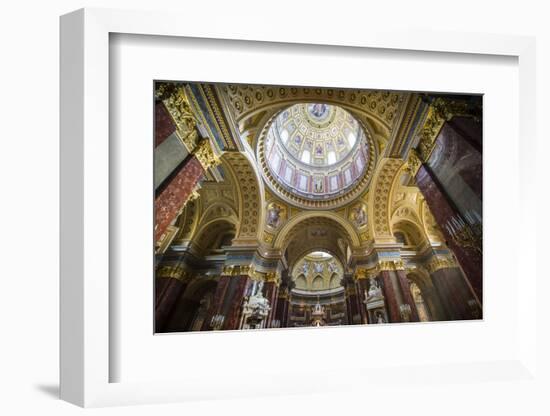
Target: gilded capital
[390,265]
[205,155]
[413,162]
[173,272]
[438,263]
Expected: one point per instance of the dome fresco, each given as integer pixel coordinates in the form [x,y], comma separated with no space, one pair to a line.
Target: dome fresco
[316,150]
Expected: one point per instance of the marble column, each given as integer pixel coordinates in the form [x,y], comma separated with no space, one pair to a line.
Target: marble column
[170,284]
[454,294]
[235,294]
[443,210]
[388,288]
[405,288]
[352,305]
[164,124]
[216,307]
[281,313]
[172,197]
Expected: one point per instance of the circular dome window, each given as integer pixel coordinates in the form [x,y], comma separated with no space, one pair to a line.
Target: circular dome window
[315,151]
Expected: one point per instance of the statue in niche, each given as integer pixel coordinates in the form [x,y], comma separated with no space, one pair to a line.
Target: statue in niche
[380,318]
[259,288]
[274,212]
[374,288]
[359,216]
[318,185]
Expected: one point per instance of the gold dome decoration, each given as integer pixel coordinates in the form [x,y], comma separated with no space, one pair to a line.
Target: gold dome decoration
[315,155]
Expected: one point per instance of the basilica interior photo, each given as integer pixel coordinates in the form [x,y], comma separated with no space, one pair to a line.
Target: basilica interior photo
[293,206]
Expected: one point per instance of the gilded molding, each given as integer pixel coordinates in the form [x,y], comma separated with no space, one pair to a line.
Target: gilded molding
[432,126]
[413,162]
[173,272]
[390,265]
[350,195]
[234,270]
[440,111]
[178,106]
[438,263]
[166,239]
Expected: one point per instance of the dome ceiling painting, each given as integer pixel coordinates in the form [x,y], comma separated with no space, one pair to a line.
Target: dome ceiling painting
[315,152]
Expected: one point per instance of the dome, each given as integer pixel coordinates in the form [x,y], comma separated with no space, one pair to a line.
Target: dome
[316,150]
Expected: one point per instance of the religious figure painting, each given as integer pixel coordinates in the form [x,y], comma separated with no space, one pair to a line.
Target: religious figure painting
[284,206]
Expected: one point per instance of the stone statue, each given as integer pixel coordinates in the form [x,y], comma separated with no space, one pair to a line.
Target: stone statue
[380,318]
[259,288]
[374,288]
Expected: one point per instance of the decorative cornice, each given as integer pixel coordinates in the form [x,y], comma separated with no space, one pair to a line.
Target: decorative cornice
[429,132]
[381,266]
[390,265]
[238,270]
[178,106]
[413,162]
[440,111]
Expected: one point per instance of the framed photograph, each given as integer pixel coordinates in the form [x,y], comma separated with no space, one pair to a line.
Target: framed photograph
[290,208]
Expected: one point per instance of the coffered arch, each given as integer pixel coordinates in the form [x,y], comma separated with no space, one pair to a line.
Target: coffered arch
[382,108]
[251,196]
[380,197]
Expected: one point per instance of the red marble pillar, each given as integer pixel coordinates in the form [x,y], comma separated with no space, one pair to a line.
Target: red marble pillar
[271,294]
[442,209]
[217,301]
[282,308]
[164,124]
[168,291]
[234,297]
[406,294]
[352,304]
[453,292]
[172,197]
[390,297]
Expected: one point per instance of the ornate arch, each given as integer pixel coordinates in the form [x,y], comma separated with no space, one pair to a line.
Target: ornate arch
[219,209]
[380,197]
[382,107]
[281,237]
[188,221]
[250,194]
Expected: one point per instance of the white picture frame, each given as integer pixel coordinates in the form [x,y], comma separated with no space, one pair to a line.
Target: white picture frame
[85,344]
